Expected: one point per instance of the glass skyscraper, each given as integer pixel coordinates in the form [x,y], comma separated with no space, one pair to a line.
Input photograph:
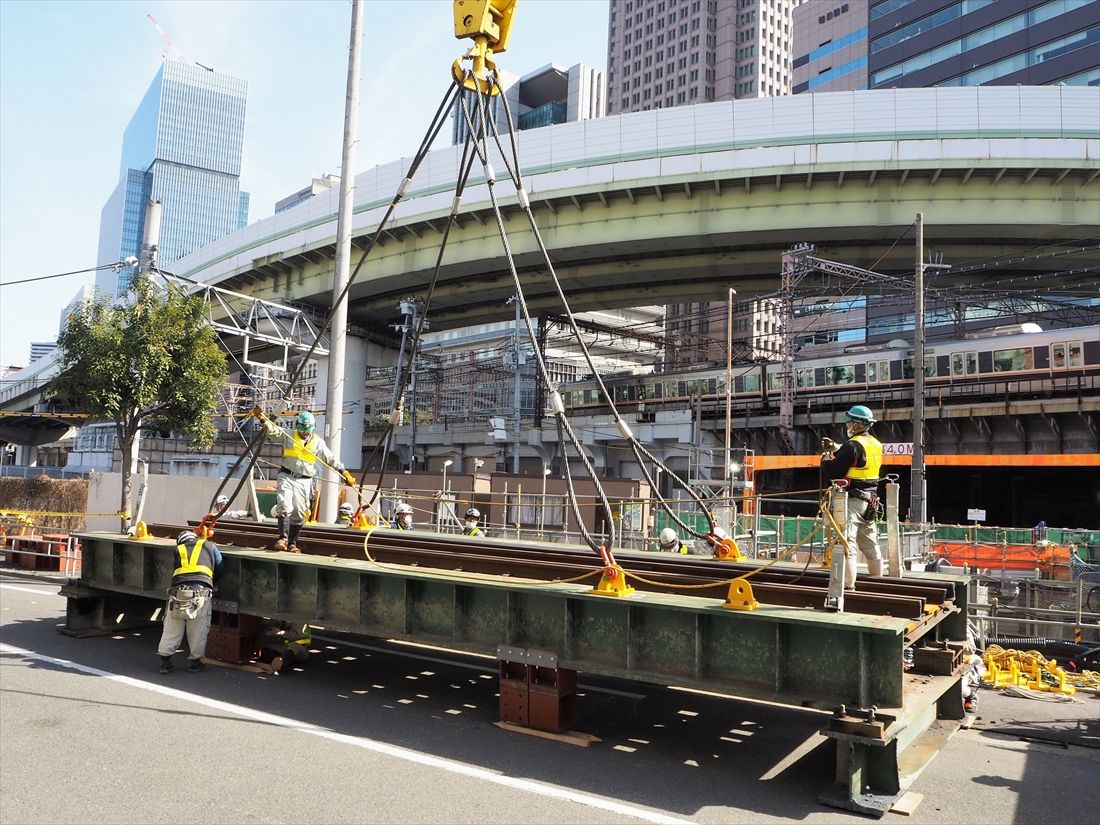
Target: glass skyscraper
[183,148]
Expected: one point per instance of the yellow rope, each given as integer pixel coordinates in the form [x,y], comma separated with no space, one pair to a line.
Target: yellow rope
[4,513]
[1002,657]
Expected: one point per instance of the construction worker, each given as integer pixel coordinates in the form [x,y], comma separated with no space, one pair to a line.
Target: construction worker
[344,515]
[294,488]
[473,516]
[859,461]
[669,542]
[190,597]
[223,501]
[402,517]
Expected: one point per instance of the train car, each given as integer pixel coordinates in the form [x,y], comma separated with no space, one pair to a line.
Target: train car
[1018,362]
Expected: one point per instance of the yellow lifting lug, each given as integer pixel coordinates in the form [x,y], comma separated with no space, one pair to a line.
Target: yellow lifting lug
[740,596]
[141,532]
[613,582]
[488,23]
[727,550]
[363,522]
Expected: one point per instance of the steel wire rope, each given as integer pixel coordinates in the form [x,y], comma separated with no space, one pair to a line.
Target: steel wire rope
[403,371]
[624,429]
[563,425]
[433,130]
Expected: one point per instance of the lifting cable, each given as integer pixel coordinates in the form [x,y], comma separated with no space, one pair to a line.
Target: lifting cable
[643,455]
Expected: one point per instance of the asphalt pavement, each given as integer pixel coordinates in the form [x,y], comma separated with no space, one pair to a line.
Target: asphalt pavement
[378,731]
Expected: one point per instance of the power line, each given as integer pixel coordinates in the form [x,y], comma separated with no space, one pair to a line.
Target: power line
[115,266]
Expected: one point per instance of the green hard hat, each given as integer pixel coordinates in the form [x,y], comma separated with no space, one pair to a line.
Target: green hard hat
[305,421]
[860,414]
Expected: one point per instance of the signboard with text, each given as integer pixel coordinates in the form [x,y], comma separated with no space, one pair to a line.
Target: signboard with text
[898,448]
[975,515]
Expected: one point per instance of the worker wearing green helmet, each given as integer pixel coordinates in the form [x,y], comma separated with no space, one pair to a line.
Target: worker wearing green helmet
[294,488]
[859,460]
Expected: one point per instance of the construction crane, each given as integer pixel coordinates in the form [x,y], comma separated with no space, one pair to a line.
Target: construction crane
[488,23]
[171,51]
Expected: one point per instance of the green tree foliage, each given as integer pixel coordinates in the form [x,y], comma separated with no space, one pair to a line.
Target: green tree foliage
[151,362]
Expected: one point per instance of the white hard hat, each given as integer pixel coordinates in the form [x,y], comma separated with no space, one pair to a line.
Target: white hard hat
[403,509]
[346,507]
[668,537]
[186,537]
[473,512]
[221,500]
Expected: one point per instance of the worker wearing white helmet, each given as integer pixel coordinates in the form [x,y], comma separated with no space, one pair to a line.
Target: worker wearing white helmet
[345,514]
[221,505]
[403,517]
[470,528]
[670,542]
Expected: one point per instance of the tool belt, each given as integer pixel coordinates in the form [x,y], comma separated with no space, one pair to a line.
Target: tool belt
[189,598]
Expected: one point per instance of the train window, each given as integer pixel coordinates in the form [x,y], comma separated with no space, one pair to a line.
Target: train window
[1012,360]
[643,392]
[929,367]
[804,378]
[1076,354]
[964,363]
[752,382]
[1058,355]
[670,389]
[775,381]
[878,371]
[844,374]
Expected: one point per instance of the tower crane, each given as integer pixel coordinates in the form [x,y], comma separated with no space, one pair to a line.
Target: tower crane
[171,50]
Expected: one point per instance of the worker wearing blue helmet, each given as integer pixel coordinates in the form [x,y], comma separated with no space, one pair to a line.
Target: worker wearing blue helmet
[294,487]
[859,460]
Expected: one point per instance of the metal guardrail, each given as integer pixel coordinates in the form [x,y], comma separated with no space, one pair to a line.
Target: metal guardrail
[18,471]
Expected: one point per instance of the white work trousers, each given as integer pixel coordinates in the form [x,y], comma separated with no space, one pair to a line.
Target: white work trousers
[862,537]
[197,629]
[293,497]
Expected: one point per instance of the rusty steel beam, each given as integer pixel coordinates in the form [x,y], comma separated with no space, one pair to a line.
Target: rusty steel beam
[778,586]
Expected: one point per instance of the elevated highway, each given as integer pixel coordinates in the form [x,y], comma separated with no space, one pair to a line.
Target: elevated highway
[679,204]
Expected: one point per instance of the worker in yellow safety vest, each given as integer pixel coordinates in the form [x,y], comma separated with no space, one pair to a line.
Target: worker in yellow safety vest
[294,487]
[859,461]
[190,597]
[470,528]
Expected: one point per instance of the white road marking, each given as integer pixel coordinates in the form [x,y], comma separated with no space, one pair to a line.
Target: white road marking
[37,592]
[467,665]
[392,751]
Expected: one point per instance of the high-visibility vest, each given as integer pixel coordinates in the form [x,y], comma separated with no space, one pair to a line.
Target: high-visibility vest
[302,449]
[872,447]
[189,566]
[472,531]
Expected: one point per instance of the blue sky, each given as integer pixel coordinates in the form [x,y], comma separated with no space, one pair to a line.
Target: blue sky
[72,73]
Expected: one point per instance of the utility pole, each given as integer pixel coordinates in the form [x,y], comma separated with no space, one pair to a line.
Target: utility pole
[728,474]
[917,512]
[334,403]
[516,393]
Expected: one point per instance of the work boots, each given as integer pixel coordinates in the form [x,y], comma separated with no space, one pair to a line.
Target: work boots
[280,543]
[195,665]
[166,665]
[295,529]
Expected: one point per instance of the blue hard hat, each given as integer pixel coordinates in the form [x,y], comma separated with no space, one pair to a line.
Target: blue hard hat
[860,414]
[305,421]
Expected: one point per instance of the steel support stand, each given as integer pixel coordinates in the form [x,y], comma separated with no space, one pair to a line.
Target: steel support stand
[838,506]
[893,531]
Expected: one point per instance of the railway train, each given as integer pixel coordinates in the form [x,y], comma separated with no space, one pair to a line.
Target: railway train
[1015,363]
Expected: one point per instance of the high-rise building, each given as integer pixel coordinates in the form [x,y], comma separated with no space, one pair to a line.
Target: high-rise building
[663,53]
[830,46]
[978,42]
[40,349]
[544,97]
[183,148]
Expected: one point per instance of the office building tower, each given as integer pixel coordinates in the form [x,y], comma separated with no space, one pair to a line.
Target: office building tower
[544,97]
[40,349]
[663,53]
[978,42]
[830,46]
[183,148]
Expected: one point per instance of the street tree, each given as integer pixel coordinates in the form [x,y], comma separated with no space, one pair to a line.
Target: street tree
[152,361]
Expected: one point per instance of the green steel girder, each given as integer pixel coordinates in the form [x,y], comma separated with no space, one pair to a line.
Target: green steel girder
[793,656]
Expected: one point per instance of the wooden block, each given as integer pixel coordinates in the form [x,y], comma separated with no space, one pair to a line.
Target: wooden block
[907,803]
[569,737]
[254,667]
